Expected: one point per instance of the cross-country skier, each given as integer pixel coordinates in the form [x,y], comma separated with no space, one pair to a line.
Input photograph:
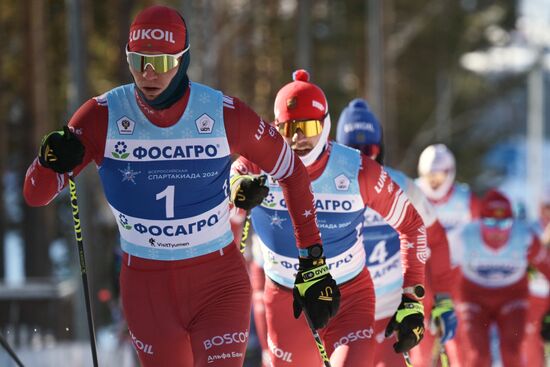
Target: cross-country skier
[539,291]
[162,147]
[359,128]
[455,205]
[344,182]
[495,253]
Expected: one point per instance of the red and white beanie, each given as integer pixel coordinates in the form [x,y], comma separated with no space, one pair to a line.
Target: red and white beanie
[300,100]
[495,205]
[159,29]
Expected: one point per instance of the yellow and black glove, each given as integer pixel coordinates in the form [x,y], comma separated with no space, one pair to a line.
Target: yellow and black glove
[61,151]
[408,322]
[248,191]
[315,292]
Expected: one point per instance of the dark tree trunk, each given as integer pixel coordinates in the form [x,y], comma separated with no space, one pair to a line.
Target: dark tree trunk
[38,223]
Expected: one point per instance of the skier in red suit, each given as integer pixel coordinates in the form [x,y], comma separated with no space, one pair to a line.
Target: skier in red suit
[496,251]
[162,147]
[344,182]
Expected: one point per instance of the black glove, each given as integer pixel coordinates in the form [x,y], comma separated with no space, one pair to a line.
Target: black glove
[248,191]
[545,326]
[408,321]
[61,151]
[315,292]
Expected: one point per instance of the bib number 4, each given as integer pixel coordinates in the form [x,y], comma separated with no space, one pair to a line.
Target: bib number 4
[379,253]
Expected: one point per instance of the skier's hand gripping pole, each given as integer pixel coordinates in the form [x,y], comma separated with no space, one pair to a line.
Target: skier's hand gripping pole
[61,151]
[248,191]
[443,323]
[443,319]
[315,293]
[408,322]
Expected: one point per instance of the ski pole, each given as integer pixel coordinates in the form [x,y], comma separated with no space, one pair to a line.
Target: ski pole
[439,348]
[407,357]
[244,237]
[443,357]
[318,341]
[80,244]
[10,351]
[246,226]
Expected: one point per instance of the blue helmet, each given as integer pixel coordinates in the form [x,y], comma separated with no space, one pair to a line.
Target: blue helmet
[357,126]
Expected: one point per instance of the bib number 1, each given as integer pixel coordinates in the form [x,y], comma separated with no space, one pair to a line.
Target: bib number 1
[168,193]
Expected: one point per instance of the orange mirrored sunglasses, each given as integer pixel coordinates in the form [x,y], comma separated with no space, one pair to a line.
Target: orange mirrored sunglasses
[308,127]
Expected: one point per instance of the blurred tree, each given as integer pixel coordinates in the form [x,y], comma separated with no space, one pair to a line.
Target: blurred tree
[38,223]
[104,68]
[4,133]
[247,49]
[431,87]
[121,27]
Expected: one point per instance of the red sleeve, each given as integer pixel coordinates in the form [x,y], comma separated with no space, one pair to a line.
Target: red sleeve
[261,144]
[243,166]
[89,123]
[539,256]
[439,264]
[384,196]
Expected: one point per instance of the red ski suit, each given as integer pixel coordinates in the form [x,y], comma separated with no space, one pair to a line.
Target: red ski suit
[423,356]
[204,301]
[348,337]
[532,348]
[506,305]
[438,280]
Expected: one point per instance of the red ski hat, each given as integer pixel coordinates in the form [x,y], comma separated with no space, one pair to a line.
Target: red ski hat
[300,100]
[158,28]
[495,205]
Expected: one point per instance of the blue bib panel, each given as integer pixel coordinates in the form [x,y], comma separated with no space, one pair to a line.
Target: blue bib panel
[495,268]
[339,208]
[453,215]
[456,211]
[168,187]
[383,246]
